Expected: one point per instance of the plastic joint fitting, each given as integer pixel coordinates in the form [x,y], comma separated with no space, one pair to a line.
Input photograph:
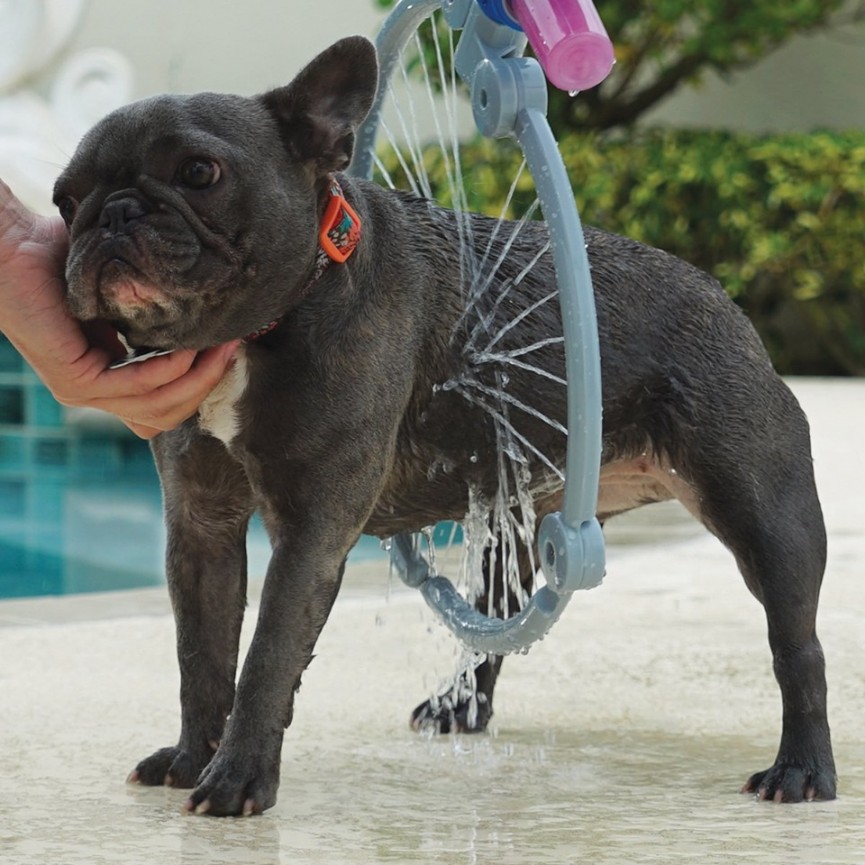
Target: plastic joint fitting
[571,559]
[501,89]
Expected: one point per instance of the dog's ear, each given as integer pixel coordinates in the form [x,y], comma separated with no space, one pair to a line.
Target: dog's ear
[319,111]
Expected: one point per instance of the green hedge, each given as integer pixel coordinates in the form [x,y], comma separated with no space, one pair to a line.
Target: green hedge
[779,220]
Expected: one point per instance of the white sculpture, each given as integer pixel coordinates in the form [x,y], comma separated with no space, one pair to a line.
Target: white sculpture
[38,133]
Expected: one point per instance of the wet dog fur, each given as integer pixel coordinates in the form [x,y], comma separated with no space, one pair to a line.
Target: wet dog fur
[328,424]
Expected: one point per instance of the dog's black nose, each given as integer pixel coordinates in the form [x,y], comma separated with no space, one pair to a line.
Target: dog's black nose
[117,213]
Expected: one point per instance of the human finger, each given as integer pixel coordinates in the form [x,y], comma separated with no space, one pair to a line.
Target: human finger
[168,406]
[97,385]
[142,431]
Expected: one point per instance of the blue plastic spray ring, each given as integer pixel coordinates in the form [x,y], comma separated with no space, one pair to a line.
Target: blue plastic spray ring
[508,95]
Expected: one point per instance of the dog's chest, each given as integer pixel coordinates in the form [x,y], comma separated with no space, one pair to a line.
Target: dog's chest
[219,413]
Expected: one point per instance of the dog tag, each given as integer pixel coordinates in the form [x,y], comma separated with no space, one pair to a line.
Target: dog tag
[138,355]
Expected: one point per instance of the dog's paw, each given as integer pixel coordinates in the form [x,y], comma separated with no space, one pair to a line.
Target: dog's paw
[233,785]
[172,767]
[786,782]
[442,714]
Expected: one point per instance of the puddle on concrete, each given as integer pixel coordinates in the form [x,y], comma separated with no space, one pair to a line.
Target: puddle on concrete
[553,796]
[574,770]
[536,797]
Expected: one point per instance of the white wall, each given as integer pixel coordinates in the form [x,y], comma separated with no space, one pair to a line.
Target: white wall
[224,45]
[815,81]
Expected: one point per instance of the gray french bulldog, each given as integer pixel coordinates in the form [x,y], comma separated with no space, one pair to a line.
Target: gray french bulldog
[199,219]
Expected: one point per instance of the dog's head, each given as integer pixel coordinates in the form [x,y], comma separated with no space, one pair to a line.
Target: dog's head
[194,219]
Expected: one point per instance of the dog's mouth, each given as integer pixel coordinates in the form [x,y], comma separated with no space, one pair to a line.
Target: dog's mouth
[125,290]
[129,300]
[151,285]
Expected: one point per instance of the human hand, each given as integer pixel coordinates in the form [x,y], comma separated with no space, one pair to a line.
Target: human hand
[72,360]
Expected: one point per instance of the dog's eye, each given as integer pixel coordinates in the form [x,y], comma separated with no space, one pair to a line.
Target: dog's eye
[68,207]
[198,172]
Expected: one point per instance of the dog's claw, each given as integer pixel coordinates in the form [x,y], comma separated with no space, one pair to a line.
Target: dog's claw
[790,783]
[169,767]
[235,785]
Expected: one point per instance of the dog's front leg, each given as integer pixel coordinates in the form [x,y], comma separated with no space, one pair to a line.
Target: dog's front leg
[208,503]
[243,776]
[314,514]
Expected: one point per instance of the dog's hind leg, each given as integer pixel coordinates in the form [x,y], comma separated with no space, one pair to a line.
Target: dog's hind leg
[466,704]
[208,505]
[760,499]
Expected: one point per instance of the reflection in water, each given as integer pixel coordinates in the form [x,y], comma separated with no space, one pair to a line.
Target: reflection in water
[552,796]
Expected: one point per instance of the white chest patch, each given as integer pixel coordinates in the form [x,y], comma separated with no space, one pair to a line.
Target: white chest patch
[218,413]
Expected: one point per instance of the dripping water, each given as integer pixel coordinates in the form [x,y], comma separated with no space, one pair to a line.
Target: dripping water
[430,95]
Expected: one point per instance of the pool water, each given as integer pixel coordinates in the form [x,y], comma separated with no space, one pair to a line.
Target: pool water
[80,504]
[62,533]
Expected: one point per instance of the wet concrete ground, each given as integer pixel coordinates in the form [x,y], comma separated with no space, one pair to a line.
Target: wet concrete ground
[622,738]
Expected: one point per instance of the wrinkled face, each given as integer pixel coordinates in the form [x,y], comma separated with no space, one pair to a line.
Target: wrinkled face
[189,223]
